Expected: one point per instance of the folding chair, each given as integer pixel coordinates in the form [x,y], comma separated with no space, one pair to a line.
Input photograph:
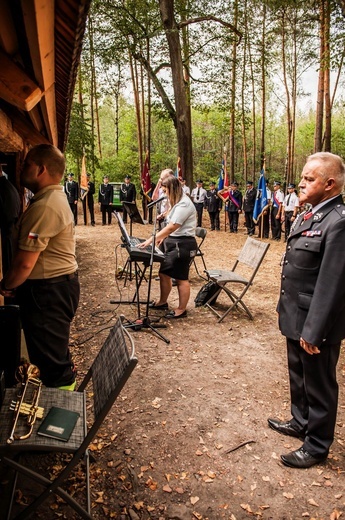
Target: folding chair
[249,260]
[108,374]
[201,234]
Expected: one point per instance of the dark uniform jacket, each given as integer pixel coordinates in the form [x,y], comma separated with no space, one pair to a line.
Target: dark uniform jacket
[91,191]
[128,192]
[212,202]
[312,298]
[72,191]
[249,200]
[237,196]
[105,194]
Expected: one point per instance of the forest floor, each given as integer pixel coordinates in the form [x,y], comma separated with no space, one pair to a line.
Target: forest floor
[188,436]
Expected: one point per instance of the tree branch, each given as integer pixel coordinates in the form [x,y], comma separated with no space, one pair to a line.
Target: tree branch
[213,19]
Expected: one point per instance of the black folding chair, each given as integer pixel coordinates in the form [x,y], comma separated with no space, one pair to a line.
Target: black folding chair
[242,273]
[108,374]
[200,233]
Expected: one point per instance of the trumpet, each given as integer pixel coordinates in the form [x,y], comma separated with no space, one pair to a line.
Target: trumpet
[30,390]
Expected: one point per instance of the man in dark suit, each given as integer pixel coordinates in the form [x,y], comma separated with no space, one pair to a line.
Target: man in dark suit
[248,208]
[71,188]
[128,193]
[105,200]
[312,309]
[88,201]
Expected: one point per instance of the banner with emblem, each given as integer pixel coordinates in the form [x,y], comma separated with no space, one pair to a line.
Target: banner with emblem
[145,177]
[84,187]
[178,171]
[223,176]
[261,198]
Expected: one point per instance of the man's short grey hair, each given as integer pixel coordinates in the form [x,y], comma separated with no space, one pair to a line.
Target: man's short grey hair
[331,165]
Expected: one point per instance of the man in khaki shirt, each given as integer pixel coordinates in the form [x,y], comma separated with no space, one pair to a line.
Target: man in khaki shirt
[43,275]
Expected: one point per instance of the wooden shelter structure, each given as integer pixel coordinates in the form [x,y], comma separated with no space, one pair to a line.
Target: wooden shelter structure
[40,47]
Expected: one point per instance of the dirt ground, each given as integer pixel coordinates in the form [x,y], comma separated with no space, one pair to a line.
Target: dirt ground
[188,436]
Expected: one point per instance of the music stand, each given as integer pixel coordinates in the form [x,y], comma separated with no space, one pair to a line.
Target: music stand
[134,215]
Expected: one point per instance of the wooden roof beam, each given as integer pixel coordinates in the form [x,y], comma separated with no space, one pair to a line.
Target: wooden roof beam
[15,86]
[38,18]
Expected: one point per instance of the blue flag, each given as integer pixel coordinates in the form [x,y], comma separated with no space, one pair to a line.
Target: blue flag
[223,178]
[261,198]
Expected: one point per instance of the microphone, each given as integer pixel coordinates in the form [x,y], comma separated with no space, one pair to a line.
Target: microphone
[163,197]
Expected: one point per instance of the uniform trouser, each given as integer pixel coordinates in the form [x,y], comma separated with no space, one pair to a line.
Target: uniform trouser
[74,209]
[288,223]
[275,224]
[106,210]
[314,394]
[46,312]
[214,219]
[233,221]
[249,222]
[199,206]
[88,204]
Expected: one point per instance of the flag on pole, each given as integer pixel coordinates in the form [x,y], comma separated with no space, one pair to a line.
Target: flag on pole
[178,171]
[223,176]
[145,175]
[261,202]
[84,186]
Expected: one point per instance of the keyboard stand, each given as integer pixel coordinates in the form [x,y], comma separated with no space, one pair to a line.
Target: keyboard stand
[145,322]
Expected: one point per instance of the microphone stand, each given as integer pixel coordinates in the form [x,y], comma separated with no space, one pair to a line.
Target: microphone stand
[145,322]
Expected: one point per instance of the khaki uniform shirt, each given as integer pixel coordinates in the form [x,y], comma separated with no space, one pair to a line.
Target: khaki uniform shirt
[47,226]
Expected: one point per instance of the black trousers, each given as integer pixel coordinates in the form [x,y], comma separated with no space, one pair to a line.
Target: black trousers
[249,222]
[288,223]
[214,219]
[314,394]
[88,203]
[233,221]
[46,312]
[276,226]
[106,210]
[74,209]
[199,206]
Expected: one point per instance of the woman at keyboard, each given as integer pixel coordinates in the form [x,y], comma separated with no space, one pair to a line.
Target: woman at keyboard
[179,248]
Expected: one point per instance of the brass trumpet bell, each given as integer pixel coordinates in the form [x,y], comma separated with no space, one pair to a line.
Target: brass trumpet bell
[26,404]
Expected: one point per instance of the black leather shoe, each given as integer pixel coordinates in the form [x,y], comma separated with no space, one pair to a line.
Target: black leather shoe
[285,428]
[301,459]
[172,316]
[163,307]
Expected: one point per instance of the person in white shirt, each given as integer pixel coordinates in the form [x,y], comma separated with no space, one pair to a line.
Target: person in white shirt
[290,209]
[276,211]
[198,196]
[185,188]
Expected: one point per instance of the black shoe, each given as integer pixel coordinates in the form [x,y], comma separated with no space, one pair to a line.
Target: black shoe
[285,428]
[172,316]
[162,307]
[301,459]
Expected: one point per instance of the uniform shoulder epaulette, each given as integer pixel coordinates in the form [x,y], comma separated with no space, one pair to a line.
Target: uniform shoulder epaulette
[340,209]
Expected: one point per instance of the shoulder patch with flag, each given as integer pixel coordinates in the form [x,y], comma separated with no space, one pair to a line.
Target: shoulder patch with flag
[33,235]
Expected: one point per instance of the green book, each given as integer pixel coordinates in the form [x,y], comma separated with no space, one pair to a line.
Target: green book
[58,424]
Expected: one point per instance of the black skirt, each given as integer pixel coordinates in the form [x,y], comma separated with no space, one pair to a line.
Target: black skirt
[179,252]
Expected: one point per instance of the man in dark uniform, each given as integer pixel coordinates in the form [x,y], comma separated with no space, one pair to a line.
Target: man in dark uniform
[213,204]
[105,200]
[71,189]
[312,309]
[88,201]
[248,208]
[234,206]
[128,193]
[276,211]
